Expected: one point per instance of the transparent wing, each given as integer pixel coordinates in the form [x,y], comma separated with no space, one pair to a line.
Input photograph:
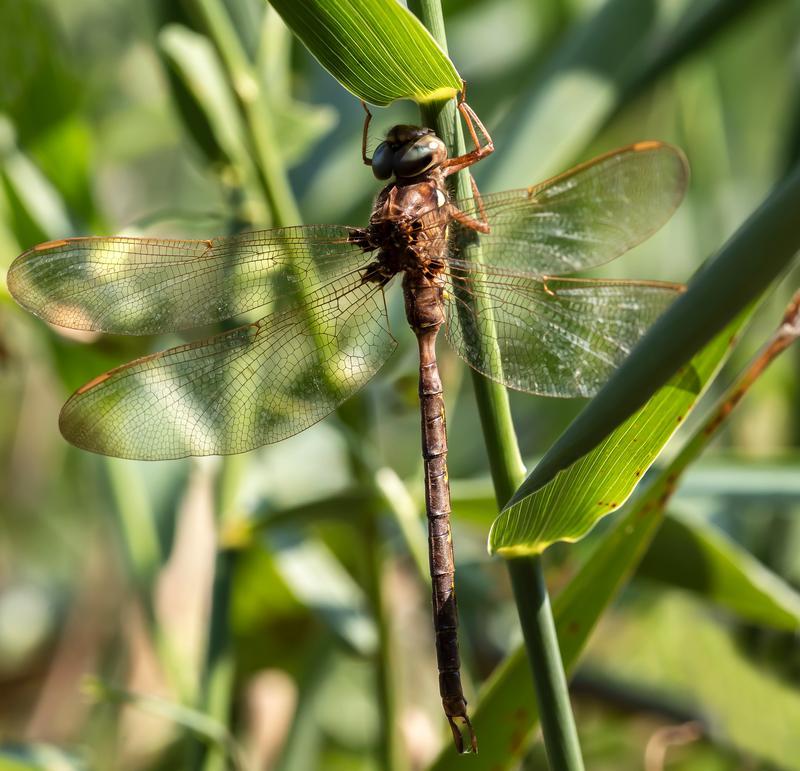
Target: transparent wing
[256,384]
[563,337]
[145,286]
[586,216]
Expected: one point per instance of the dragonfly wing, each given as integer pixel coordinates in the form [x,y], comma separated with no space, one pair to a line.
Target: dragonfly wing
[587,216]
[146,286]
[254,385]
[563,337]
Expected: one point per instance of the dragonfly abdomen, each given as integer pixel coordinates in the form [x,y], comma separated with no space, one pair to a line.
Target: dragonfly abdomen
[425,315]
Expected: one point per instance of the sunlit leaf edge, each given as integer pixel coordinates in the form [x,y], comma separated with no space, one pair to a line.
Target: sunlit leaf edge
[377,50]
[567,507]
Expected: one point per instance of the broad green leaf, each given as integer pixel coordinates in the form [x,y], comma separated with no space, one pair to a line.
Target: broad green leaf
[194,60]
[568,506]
[745,266]
[698,557]
[375,48]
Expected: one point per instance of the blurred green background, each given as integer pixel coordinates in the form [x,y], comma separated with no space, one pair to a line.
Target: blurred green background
[123,117]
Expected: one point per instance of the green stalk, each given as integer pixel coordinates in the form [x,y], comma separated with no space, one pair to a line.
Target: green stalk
[507,469]
[219,666]
[390,755]
[549,679]
[356,424]
[248,88]
[136,522]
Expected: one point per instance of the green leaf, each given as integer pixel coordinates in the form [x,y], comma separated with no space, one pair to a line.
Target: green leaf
[197,723]
[568,506]
[746,265]
[375,48]
[700,558]
[35,193]
[672,649]
[299,125]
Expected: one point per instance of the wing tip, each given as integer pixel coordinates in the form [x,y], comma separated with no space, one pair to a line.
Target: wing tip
[650,145]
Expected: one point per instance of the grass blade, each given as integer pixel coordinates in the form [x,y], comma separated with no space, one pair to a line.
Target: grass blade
[568,506]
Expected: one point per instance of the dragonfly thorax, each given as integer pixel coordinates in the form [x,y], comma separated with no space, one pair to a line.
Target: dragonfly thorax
[408,229]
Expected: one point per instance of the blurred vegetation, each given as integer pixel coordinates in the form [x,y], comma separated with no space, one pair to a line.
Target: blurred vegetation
[119,117]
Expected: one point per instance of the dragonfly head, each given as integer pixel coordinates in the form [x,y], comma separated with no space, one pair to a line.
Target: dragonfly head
[408,151]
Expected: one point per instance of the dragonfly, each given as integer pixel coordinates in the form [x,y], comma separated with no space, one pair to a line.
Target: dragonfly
[519,316]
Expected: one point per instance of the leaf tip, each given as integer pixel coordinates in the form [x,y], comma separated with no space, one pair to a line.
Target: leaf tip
[441,94]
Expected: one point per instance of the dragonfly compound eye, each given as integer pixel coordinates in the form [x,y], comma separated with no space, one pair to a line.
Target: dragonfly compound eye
[382,161]
[417,157]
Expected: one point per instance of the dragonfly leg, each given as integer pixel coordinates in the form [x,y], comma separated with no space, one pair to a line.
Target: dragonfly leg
[452,165]
[365,131]
[481,226]
[477,195]
[547,289]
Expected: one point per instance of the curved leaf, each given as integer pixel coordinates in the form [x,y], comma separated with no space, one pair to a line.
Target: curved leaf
[38,757]
[568,506]
[375,48]
[196,64]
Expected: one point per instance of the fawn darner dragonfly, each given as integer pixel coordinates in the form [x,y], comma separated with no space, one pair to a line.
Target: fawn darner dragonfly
[326,332]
